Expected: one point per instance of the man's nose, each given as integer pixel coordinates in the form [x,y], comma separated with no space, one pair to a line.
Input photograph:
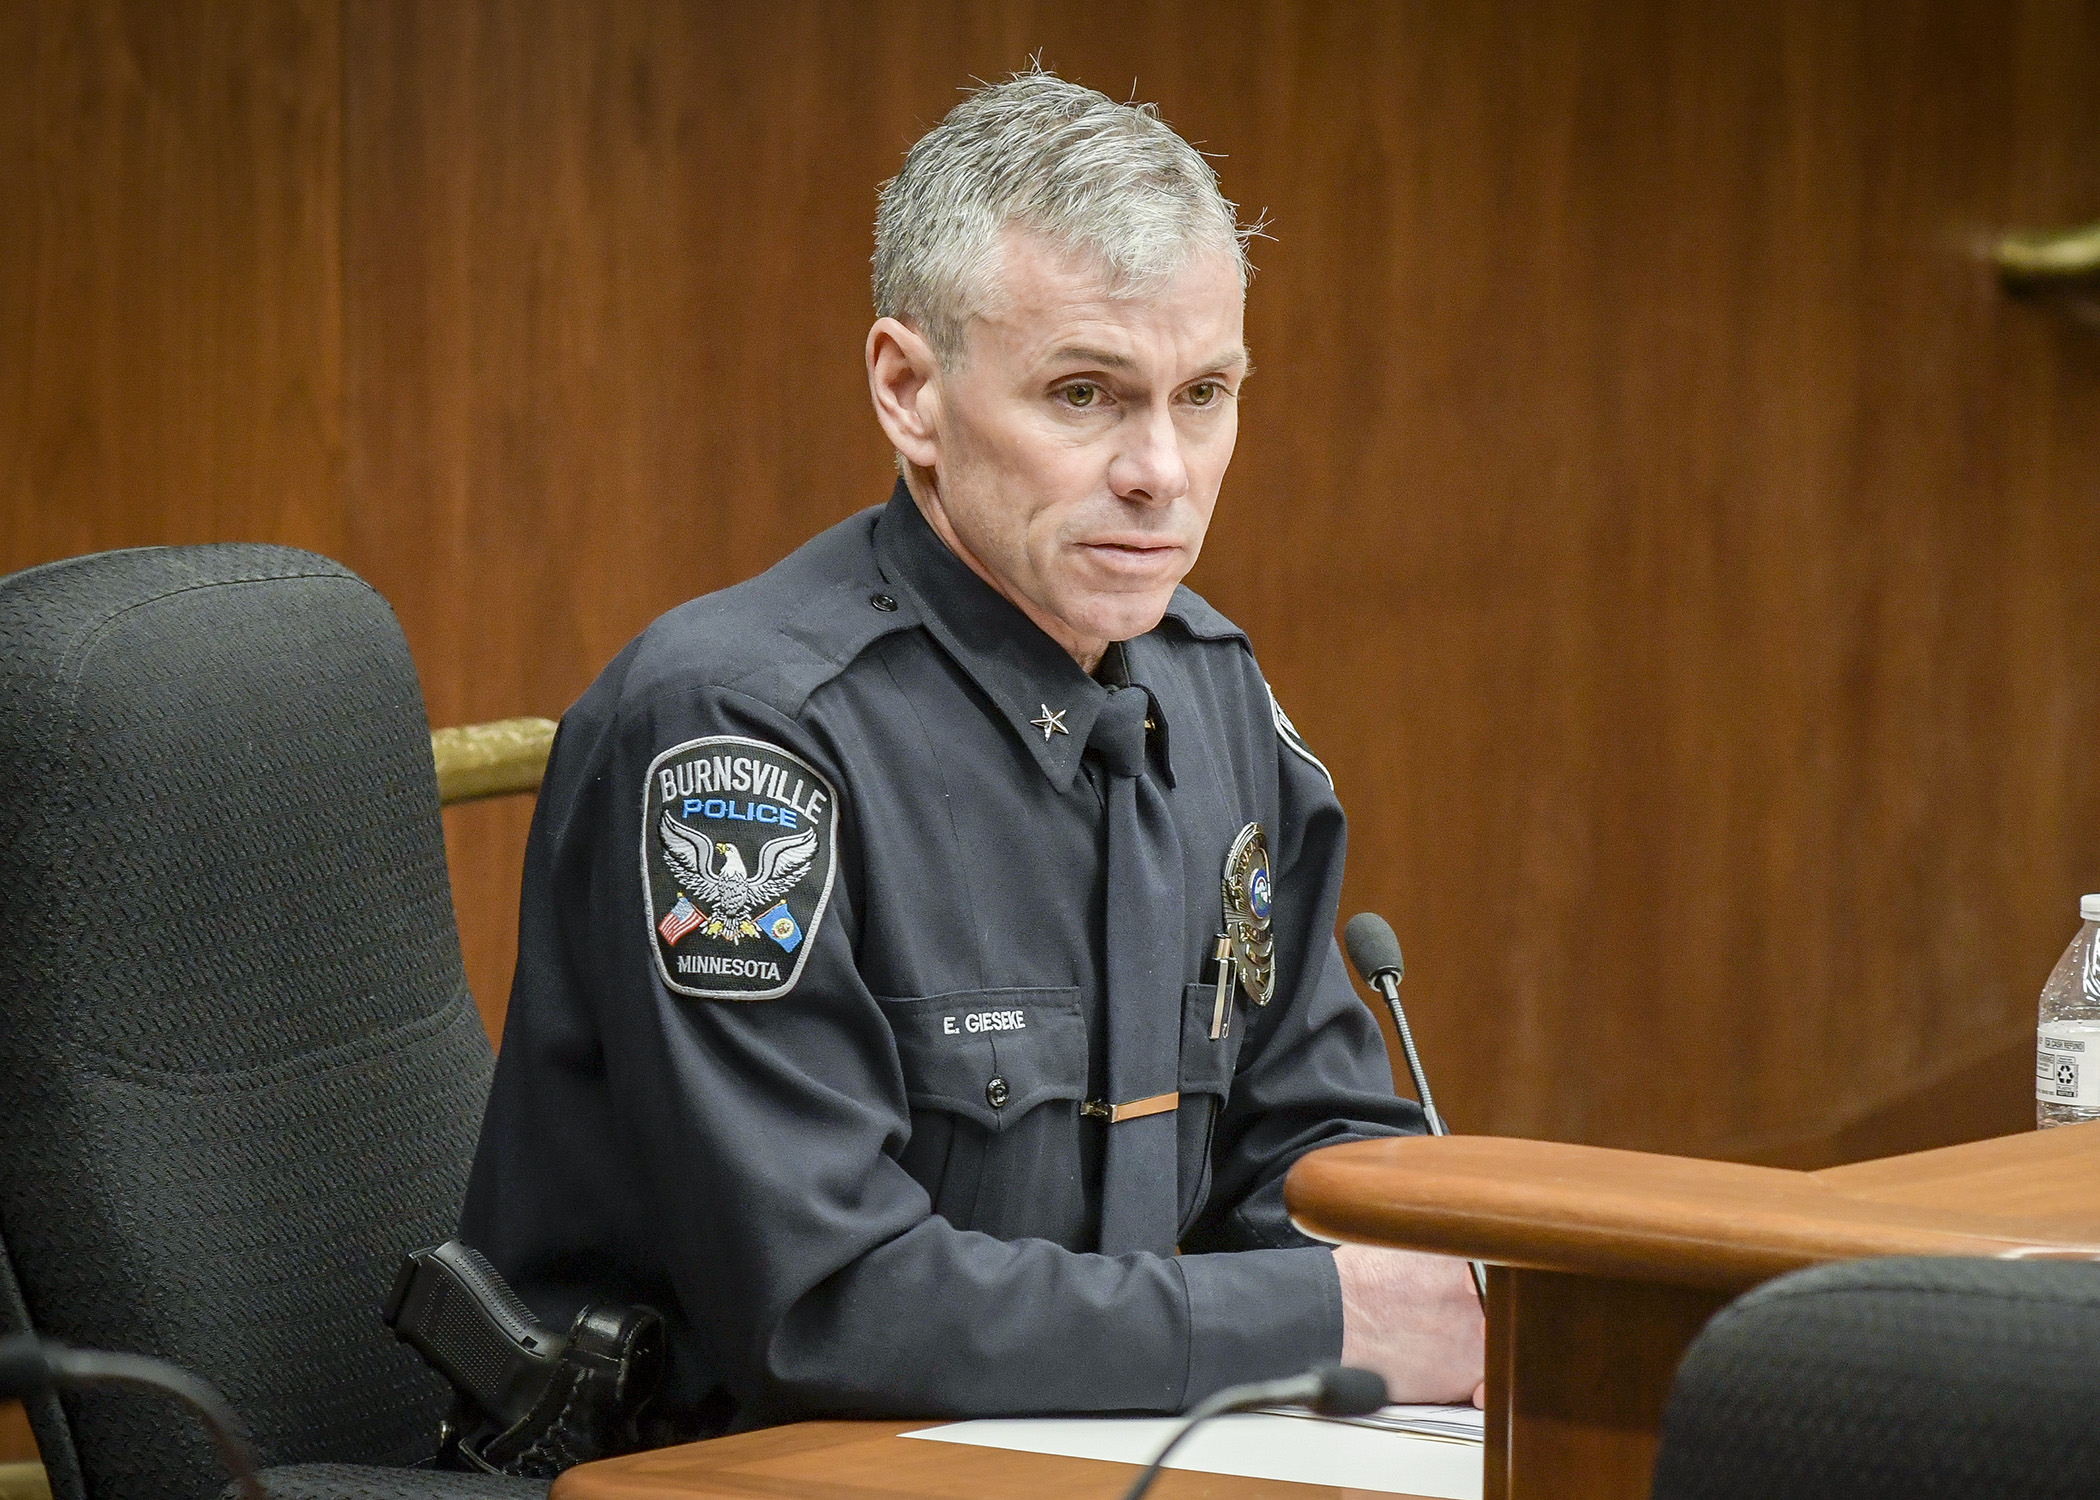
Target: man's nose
[1150,468]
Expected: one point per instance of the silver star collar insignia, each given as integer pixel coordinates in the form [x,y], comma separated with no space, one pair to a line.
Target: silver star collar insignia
[1051,723]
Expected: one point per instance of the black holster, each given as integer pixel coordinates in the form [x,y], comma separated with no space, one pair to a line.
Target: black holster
[527,1401]
[590,1409]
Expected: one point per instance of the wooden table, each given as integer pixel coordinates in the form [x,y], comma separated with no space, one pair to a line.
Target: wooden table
[869,1461]
[1605,1264]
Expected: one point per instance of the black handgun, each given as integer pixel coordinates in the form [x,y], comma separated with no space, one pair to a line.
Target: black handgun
[531,1401]
[453,1308]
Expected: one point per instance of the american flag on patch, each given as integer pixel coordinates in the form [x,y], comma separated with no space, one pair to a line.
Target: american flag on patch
[680,920]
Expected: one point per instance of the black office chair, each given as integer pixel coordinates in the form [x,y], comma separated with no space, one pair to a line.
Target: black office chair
[1894,1380]
[240,1072]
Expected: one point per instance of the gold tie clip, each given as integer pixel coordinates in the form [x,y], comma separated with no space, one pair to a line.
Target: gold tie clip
[1136,1109]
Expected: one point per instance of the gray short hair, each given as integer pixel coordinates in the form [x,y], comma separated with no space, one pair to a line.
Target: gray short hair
[1108,180]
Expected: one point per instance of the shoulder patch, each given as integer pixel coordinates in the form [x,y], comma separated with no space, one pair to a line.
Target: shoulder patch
[1288,733]
[739,843]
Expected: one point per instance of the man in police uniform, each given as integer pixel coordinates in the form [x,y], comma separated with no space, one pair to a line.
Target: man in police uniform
[926,970]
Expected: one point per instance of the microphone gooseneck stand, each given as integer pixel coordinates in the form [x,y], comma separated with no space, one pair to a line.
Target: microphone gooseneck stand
[29,1366]
[1375,953]
[1332,1391]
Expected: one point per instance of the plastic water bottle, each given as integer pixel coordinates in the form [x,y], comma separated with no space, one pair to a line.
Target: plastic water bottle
[2067,1043]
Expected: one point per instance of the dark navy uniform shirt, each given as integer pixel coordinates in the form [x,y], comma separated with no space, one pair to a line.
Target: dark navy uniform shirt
[809,994]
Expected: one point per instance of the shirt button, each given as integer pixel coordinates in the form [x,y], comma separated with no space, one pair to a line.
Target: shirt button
[995,1093]
[884,602]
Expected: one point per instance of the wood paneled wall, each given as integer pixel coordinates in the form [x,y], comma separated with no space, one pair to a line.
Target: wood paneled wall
[1648,502]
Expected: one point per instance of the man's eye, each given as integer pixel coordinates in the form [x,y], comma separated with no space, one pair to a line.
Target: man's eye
[1203,393]
[1081,394]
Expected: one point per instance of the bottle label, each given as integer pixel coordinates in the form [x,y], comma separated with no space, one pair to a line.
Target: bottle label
[2067,1063]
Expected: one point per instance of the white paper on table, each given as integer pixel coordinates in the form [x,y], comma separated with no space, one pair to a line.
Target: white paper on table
[1252,1445]
[1462,1424]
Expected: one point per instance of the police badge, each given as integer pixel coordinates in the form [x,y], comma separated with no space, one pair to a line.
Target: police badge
[1246,949]
[738,839]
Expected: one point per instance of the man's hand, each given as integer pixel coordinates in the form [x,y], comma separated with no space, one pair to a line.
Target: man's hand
[1414,1319]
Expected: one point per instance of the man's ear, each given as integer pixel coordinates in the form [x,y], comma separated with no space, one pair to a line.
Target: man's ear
[903,380]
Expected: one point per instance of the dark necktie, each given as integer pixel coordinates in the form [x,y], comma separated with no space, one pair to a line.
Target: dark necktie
[1139,1191]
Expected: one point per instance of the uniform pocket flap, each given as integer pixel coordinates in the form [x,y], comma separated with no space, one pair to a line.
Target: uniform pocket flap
[990,1055]
[1206,1065]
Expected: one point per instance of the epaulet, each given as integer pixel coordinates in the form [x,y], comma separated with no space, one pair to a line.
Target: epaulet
[784,634]
[1195,615]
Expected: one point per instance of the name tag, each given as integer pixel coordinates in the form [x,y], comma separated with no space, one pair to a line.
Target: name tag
[984,1020]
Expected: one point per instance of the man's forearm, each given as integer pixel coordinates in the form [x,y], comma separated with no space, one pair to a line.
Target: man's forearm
[941,1322]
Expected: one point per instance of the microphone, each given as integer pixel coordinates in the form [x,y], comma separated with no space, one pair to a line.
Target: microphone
[1375,952]
[29,1366]
[1331,1390]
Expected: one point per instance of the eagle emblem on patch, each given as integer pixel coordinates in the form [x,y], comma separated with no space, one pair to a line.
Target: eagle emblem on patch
[739,841]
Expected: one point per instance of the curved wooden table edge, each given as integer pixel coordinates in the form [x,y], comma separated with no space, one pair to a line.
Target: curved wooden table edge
[679,1470]
[852,1460]
[1544,1205]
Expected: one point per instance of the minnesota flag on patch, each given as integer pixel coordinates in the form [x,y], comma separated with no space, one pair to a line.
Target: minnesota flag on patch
[680,920]
[779,924]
